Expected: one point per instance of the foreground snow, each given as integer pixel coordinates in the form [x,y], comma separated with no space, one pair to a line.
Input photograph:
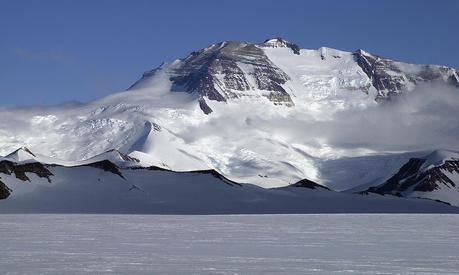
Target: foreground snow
[253,244]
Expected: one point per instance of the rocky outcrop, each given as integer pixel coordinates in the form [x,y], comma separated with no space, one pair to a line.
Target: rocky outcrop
[305,183]
[107,166]
[211,172]
[5,192]
[221,72]
[391,78]
[20,170]
[216,175]
[125,157]
[417,175]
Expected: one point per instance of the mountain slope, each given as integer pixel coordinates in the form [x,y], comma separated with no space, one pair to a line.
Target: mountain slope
[435,176]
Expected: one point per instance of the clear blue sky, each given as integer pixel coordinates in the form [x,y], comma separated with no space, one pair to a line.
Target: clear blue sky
[57,51]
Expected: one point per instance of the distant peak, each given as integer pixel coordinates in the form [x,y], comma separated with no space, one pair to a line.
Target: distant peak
[362,52]
[22,153]
[27,150]
[438,157]
[279,42]
[275,41]
[114,154]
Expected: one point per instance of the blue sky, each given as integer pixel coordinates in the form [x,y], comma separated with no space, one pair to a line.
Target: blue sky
[57,51]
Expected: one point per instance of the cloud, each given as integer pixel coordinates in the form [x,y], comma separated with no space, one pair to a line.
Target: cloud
[426,118]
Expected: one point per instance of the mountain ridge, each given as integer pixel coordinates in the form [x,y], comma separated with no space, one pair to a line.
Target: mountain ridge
[426,177]
[267,114]
[198,72]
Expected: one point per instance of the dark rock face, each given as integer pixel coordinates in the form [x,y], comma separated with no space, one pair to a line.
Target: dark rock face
[410,177]
[20,170]
[5,192]
[221,71]
[305,183]
[204,107]
[453,80]
[107,166]
[215,74]
[393,185]
[375,69]
[390,79]
[211,172]
[126,157]
[215,174]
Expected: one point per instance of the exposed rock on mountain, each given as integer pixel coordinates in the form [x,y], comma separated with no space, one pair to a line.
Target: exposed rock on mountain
[229,70]
[20,154]
[20,170]
[391,78]
[435,176]
[4,191]
[305,183]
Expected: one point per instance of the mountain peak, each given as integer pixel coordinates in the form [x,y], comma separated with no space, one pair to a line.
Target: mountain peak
[21,154]
[114,156]
[362,52]
[438,158]
[226,71]
[234,70]
[279,42]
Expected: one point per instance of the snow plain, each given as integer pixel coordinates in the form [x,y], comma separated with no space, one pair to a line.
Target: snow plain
[238,244]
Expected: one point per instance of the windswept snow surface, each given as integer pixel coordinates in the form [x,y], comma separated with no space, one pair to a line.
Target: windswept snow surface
[253,244]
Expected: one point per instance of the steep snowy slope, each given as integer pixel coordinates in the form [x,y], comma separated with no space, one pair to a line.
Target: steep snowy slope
[106,187]
[269,114]
[434,176]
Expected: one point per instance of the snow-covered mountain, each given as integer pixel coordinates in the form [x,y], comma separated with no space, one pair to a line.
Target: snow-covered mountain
[268,114]
[282,73]
[434,176]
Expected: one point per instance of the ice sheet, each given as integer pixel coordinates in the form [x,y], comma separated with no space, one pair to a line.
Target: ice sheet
[245,244]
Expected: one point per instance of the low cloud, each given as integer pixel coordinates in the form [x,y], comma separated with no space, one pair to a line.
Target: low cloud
[426,118]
